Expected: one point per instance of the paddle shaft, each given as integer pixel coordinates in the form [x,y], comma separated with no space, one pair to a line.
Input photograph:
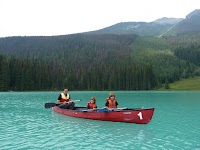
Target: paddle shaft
[104,109]
[49,105]
[75,100]
[121,108]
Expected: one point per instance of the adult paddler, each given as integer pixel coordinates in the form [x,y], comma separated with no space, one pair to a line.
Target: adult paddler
[64,100]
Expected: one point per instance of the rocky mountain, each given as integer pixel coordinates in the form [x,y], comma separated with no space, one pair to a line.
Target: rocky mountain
[140,28]
[166,20]
[193,13]
[152,29]
[163,26]
[190,24]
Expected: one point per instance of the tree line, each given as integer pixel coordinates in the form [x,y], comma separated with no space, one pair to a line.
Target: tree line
[24,75]
[191,53]
[88,62]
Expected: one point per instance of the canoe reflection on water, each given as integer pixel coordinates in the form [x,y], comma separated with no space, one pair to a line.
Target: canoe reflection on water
[77,127]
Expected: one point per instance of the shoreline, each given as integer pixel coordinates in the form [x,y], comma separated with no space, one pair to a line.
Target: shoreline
[106,91]
[189,84]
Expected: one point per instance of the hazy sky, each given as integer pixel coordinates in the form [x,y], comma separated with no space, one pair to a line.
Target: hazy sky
[58,17]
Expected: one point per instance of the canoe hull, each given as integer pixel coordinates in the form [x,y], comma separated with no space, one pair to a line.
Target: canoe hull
[138,116]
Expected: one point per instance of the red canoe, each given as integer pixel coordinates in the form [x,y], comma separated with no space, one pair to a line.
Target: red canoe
[138,116]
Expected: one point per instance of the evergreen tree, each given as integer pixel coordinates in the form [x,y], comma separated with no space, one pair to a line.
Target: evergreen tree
[166,84]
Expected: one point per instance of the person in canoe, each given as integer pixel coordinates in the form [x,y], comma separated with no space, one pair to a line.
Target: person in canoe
[92,103]
[111,102]
[64,100]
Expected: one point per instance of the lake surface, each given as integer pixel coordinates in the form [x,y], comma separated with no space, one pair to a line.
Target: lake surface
[26,124]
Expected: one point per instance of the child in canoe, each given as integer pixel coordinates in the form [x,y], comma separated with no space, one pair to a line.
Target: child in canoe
[92,103]
[111,102]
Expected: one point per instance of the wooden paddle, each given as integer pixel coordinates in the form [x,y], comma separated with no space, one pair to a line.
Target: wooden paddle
[104,109]
[98,110]
[117,109]
[49,105]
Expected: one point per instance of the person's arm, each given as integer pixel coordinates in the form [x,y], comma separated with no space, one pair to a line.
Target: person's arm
[88,106]
[95,108]
[106,104]
[117,104]
[59,98]
[70,99]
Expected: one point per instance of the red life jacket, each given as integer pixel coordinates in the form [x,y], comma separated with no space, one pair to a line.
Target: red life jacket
[64,98]
[92,106]
[111,104]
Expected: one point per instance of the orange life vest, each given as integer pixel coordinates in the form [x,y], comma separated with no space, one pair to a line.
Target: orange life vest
[92,106]
[111,104]
[64,98]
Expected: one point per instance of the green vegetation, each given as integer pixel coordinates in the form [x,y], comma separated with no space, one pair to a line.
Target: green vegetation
[184,38]
[90,62]
[191,53]
[159,53]
[80,62]
[190,84]
[117,60]
[166,84]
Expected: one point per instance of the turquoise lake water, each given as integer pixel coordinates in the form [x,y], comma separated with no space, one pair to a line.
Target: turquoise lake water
[26,124]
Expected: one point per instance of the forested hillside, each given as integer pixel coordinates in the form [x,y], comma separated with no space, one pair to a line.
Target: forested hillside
[191,53]
[184,38]
[159,53]
[89,62]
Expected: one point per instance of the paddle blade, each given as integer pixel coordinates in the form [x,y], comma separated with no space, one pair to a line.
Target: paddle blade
[84,110]
[102,110]
[49,105]
[87,110]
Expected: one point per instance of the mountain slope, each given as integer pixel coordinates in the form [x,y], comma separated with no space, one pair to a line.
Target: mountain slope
[190,24]
[139,28]
[190,84]
[89,62]
[107,59]
[193,13]
[153,29]
[166,20]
